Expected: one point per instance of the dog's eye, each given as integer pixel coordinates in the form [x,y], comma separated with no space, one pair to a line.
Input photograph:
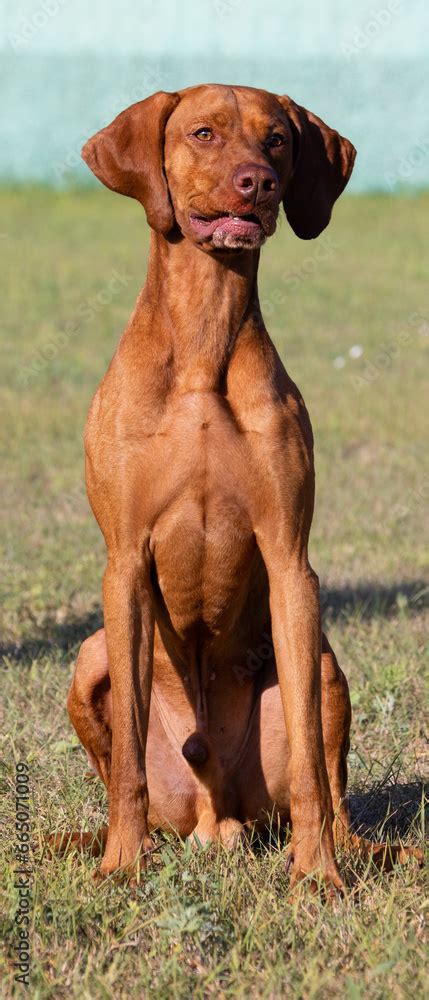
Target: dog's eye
[276,139]
[204,134]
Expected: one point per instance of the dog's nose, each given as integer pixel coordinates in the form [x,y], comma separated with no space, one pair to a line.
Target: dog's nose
[255,182]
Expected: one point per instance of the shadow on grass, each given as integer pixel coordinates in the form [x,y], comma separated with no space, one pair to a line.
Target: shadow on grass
[388,810]
[53,638]
[373,600]
[365,601]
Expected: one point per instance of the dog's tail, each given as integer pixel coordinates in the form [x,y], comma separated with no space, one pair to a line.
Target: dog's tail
[196,749]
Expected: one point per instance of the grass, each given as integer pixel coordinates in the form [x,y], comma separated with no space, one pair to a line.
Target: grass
[219,924]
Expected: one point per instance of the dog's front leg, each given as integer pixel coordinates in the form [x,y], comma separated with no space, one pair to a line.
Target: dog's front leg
[296,629]
[129,624]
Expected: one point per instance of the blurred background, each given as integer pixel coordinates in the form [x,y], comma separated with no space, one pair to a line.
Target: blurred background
[349,313]
[68,67]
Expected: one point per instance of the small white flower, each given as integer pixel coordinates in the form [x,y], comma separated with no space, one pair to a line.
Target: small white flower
[339,362]
[356,351]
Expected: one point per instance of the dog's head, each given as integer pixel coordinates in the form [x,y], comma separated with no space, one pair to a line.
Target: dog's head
[217,161]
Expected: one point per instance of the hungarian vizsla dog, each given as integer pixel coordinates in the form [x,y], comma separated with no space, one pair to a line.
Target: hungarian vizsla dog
[211,700]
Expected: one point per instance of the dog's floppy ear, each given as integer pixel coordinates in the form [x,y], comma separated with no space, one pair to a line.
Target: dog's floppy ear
[127,156]
[323,162]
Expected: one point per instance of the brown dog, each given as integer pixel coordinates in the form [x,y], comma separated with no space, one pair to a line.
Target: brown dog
[211,700]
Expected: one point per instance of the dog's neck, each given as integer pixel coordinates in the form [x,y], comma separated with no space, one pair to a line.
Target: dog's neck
[203,301]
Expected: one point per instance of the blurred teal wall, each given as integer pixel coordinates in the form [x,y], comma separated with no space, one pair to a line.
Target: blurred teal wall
[67,67]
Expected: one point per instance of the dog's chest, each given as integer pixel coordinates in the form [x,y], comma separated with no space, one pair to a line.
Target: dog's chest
[186,486]
[202,537]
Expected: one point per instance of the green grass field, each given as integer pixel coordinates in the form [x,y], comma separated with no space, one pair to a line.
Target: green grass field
[350,315]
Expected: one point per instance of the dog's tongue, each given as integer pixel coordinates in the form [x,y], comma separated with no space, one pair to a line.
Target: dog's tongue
[225,224]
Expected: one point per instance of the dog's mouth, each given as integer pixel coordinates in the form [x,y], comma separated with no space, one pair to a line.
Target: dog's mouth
[245,226]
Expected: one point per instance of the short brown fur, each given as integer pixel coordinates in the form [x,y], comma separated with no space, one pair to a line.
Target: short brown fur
[211,700]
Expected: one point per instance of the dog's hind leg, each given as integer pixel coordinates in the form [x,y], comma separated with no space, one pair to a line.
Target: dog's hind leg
[89,707]
[336,718]
[89,703]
